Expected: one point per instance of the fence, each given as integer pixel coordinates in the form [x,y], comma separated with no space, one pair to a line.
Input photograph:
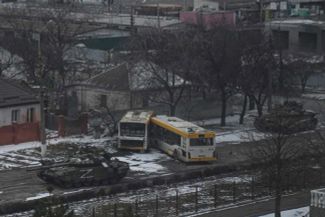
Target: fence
[67,126]
[18,133]
[177,202]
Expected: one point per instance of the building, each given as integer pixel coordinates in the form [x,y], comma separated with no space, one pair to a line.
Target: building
[122,87]
[19,114]
[317,203]
[298,35]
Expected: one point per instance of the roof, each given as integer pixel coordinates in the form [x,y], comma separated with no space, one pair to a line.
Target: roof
[138,77]
[182,127]
[12,94]
[138,116]
[116,78]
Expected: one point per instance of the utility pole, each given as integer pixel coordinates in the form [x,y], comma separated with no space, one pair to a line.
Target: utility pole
[158,15]
[41,97]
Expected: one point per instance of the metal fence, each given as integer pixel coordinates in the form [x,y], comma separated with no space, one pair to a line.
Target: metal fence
[178,202]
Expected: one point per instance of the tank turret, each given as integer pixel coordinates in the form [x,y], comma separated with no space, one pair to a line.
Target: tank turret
[287,118]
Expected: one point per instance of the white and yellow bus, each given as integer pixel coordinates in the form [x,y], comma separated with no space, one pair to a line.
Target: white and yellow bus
[133,130]
[183,140]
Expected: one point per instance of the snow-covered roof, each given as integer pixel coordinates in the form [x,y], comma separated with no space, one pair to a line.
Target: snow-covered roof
[298,21]
[137,116]
[147,75]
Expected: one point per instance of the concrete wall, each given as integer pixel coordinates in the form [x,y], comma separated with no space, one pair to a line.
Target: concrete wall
[209,19]
[5,114]
[299,34]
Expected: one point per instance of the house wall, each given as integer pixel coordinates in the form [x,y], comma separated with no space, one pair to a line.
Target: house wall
[89,98]
[5,114]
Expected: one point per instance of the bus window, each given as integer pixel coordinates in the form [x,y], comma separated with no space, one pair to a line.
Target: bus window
[132,129]
[201,142]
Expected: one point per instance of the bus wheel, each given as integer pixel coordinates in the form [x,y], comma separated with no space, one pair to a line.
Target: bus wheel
[175,155]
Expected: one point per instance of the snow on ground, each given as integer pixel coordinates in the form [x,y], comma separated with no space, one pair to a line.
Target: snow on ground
[238,136]
[301,212]
[146,162]
[27,154]
[317,96]
[38,196]
[27,145]
[216,121]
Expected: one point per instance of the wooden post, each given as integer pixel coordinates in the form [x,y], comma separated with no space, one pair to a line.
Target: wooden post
[196,199]
[157,205]
[136,207]
[176,202]
[234,192]
[61,126]
[252,188]
[94,212]
[115,209]
[215,196]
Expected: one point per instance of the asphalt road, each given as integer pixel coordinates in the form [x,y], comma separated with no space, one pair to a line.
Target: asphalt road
[262,207]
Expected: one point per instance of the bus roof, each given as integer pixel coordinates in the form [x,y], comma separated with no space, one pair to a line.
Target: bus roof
[184,128]
[137,116]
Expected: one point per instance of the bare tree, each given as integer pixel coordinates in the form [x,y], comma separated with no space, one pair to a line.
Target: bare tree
[219,56]
[162,64]
[257,63]
[276,155]
[303,66]
[39,38]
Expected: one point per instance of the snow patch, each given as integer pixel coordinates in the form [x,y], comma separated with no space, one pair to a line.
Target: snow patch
[27,145]
[239,136]
[300,212]
[147,162]
[39,196]
[317,96]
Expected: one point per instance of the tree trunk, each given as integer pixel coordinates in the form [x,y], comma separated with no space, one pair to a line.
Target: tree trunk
[259,109]
[42,123]
[278,195]
[243,111]
[251,103]
[223,108]
[172,110]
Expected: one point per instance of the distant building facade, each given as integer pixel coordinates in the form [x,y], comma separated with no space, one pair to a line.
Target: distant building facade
[317,203]
[298,35]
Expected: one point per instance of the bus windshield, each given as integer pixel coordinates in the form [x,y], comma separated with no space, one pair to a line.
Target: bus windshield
[132,129]
[201,142]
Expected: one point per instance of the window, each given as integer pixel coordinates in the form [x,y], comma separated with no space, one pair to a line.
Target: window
[133,129]
[201,142]
[30,115]
[103,100]
[15,115]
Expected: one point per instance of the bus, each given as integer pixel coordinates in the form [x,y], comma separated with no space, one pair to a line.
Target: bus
[133,130]
[183,140]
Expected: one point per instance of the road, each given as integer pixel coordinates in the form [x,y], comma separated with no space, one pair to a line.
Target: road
[20,184]
[262,207]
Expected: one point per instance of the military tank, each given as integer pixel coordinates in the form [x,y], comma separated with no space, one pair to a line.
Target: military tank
[287,118]
[83,171]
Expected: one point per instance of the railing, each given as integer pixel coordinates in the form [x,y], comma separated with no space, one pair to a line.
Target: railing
[318,198]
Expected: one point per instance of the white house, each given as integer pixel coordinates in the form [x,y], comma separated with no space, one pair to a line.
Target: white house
[17,105]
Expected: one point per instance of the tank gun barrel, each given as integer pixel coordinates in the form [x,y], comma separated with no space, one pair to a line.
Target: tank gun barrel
[44,167]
